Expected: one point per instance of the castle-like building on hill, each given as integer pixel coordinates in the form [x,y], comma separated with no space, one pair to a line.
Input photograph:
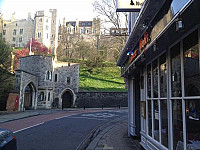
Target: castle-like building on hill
[43,28]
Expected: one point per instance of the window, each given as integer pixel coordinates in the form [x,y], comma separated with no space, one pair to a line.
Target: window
[50,75]
[47,27]
[49,96]
[41,98]
[89,23]
[47,35]
[163,76]
[47,75]
[156,120]
[68,80]
[83,24]
[14,39]
[56,78]
[21,31]
[14,32]
[4,32]
[164,122]
[155,78]
[4,25]
[20,39]
[39,34]
[191,65]
[149,81]
[46,20]
[175,71]
[40,19]
[149,118]
[177,122]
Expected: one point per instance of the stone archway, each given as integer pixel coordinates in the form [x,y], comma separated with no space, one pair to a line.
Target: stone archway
[29,96]
[67,99]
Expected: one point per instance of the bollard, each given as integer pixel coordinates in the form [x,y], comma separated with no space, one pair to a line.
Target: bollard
[119,106]
[102,106]
[84,107]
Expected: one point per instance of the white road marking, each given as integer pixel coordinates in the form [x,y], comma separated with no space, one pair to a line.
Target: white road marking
[87,118]
[29,127]
[100,115]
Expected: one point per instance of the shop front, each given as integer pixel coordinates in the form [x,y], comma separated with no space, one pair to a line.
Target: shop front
[162,70]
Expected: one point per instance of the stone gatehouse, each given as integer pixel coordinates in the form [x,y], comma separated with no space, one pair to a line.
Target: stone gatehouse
[44,83]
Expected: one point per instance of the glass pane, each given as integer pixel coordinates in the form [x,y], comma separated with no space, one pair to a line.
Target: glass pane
[155,79]
[191,65]
[164,122]
[149,81]
[163,76]
[193,124]
[177,124]
[156,120]
[150,118]
[176,71]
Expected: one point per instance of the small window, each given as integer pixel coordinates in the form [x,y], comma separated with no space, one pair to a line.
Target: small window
[47,35]
[14,39]
[47,20]
[4,24]
[49,96]
[16,24]
[21,31]
[50,75]
[14,32]
[47,27]
[56,78]
[4,32]
[39,34]
[47,75]
[40,19]
[41,96]
[68,80]
[20,39]
[89,23]
[83,24]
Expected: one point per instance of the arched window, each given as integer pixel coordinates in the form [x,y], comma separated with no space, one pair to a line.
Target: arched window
[56,78]
[50,75]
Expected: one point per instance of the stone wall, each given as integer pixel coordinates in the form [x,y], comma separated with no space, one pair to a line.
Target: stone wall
[97,99]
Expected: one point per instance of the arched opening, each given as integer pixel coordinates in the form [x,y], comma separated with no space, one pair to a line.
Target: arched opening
[67,99]
[29,95]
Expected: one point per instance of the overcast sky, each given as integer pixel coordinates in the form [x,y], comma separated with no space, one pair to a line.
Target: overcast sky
[70,9]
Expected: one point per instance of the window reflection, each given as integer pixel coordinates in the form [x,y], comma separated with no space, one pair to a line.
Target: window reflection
[164,122]
[156,120]
[193,124]
[191,65]
[176,71]
[163,76]
[177,124]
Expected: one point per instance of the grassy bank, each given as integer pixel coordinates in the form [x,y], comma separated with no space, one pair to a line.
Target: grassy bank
[101,79]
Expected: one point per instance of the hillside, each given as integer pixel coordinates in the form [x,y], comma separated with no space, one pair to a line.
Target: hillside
[101,79]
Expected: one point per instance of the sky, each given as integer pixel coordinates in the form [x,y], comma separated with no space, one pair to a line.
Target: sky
[70,9]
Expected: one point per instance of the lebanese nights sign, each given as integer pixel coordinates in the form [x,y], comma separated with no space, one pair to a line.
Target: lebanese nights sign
[142,45]
[128,5]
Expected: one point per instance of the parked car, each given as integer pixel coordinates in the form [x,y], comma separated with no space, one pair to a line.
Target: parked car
[7,140]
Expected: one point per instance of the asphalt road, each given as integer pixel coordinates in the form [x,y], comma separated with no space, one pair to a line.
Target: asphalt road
[63,133]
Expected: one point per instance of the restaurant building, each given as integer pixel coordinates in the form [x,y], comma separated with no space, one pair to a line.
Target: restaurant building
[160,63]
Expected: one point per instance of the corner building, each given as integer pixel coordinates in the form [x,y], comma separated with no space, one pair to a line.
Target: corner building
[161,66]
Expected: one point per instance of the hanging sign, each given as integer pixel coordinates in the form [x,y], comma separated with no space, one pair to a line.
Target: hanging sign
[128,5]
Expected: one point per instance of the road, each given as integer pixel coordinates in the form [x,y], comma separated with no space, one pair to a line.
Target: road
[63,130]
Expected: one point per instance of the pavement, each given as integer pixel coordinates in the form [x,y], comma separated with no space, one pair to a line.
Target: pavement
[110,136]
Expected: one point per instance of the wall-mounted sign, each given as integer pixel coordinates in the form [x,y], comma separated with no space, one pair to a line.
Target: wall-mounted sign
[128,5]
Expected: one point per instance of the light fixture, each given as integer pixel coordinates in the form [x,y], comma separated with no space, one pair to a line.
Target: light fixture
[179,24]
[131,3]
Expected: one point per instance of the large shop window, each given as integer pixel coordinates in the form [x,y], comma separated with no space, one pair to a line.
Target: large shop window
[155,78]
[193,124]
[175,71]
[191,65]
[177,120]
[164,122]
[163,76]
